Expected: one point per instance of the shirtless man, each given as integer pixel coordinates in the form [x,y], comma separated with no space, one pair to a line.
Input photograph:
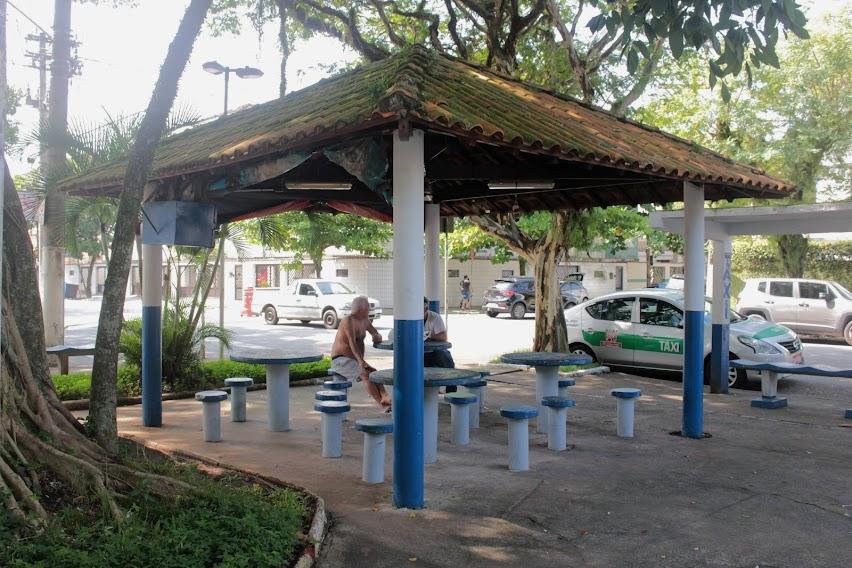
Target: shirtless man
[347,353]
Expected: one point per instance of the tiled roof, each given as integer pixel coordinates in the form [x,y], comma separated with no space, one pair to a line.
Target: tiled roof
[438,92]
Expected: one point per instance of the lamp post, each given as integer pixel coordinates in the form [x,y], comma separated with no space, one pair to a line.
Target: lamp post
[216,68]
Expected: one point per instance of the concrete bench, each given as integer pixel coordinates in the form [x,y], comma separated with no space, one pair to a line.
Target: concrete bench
[211,413]
[63,352]
[239,386]
[518,417]
[770,374]
[461,403]
[558,407]
[477,389]
[332,412]
[375,430]
[625,406]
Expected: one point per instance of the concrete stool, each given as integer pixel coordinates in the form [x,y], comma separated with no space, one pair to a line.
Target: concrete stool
[564,384]
[330,395]
[211,413]
[461,403]
[239,387]
[338,383]
[476,388]
[625,403]
[374,429]
[519,435]
[481,394]
[557,407]
[332,426]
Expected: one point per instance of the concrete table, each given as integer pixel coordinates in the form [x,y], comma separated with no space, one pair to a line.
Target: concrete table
[277,382]
[546,375]
[63,352]
[429,346]
[433,379]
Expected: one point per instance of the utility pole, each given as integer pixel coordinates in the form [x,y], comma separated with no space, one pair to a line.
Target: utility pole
[39,60]
[52,265]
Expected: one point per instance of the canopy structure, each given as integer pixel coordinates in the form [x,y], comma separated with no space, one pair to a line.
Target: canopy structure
[408,139]
[492,143]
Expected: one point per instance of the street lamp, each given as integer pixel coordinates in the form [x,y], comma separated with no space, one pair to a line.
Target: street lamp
[216,68]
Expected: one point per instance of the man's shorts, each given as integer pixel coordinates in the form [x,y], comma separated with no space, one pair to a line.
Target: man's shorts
[347,367]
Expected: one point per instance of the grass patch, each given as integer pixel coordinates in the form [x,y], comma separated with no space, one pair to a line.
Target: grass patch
[76,386]
[231,521]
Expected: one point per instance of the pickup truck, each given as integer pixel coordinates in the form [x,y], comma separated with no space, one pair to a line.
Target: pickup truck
[308,300]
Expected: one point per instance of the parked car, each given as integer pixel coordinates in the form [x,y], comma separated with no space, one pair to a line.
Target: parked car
[514,296]
[674,283]
[810,307]
[644,329]
[309,300]
[573,291]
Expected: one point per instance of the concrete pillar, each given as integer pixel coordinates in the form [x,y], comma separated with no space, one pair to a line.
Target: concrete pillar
[721,316]
[693,360]
[408,292]
[152,335]
[433,256]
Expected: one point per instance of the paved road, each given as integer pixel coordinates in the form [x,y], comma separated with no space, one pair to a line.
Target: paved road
[476,338]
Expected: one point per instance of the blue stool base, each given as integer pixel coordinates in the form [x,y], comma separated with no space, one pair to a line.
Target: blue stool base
[770,403]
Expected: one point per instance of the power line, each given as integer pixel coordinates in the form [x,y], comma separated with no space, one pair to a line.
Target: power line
[33,22]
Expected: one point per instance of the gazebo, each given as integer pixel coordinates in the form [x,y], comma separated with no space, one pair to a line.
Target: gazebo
[406,140]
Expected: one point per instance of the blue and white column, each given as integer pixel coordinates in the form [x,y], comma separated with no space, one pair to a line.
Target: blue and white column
[693,360]
[152,335]
[433,256]
[721,316]
[408,288]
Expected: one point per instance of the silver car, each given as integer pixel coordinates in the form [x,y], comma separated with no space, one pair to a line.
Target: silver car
[810,307]
[644,329]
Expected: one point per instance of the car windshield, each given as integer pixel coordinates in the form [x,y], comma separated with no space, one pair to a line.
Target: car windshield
[843,291]
[708,312]
[333,288]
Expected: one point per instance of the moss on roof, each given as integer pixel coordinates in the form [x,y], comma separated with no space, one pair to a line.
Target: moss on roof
[441,93]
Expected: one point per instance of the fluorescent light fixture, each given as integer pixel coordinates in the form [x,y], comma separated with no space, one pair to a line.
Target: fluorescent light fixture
[328,186]
[509,185]
[214,67]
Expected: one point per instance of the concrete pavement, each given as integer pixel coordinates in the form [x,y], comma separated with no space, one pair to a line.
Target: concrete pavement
[770,488]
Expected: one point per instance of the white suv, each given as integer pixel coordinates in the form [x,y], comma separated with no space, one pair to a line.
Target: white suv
[810,307]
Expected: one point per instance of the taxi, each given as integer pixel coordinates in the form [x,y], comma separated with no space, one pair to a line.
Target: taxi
[644,329]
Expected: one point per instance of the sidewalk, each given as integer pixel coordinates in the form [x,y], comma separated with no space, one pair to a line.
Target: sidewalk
[770,488]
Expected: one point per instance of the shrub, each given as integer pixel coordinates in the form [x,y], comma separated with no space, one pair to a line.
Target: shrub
[73,386]
[215,372]
[129,380]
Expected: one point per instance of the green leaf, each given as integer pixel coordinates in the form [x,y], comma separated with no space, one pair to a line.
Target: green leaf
[632,61]
[726,94]
[642,48]
[597,23]
[676,43]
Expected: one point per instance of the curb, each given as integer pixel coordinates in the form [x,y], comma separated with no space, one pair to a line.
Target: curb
[319,522]
[83,403]
[586,372]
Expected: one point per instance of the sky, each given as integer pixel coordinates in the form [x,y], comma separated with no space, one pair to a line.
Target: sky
[122,48]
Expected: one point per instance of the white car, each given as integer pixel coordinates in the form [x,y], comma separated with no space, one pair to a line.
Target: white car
[644,328]
[311,299]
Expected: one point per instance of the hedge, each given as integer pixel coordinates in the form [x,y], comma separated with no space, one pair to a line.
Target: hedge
[825,260]
[76,386]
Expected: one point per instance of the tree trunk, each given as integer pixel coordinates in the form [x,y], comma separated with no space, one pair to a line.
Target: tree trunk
[102,405]
[793,250]
[317,260]
[284,41]
[92,260]
[522,266]
[105,243]
[550,331]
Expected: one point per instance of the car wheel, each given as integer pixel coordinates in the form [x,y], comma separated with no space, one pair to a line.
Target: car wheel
[737,378]
[270,316]
[305,322]
[586,299]
[491,313]
[569,305]
[329,319]
[847,332]
[580,349]
[519,310]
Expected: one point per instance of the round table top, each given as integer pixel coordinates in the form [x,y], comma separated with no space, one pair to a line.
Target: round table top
[545,359]
[432,376]
[273,357]
[429,346]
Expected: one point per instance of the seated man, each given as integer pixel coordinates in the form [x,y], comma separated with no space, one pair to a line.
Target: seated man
[435,329]
[347,353]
